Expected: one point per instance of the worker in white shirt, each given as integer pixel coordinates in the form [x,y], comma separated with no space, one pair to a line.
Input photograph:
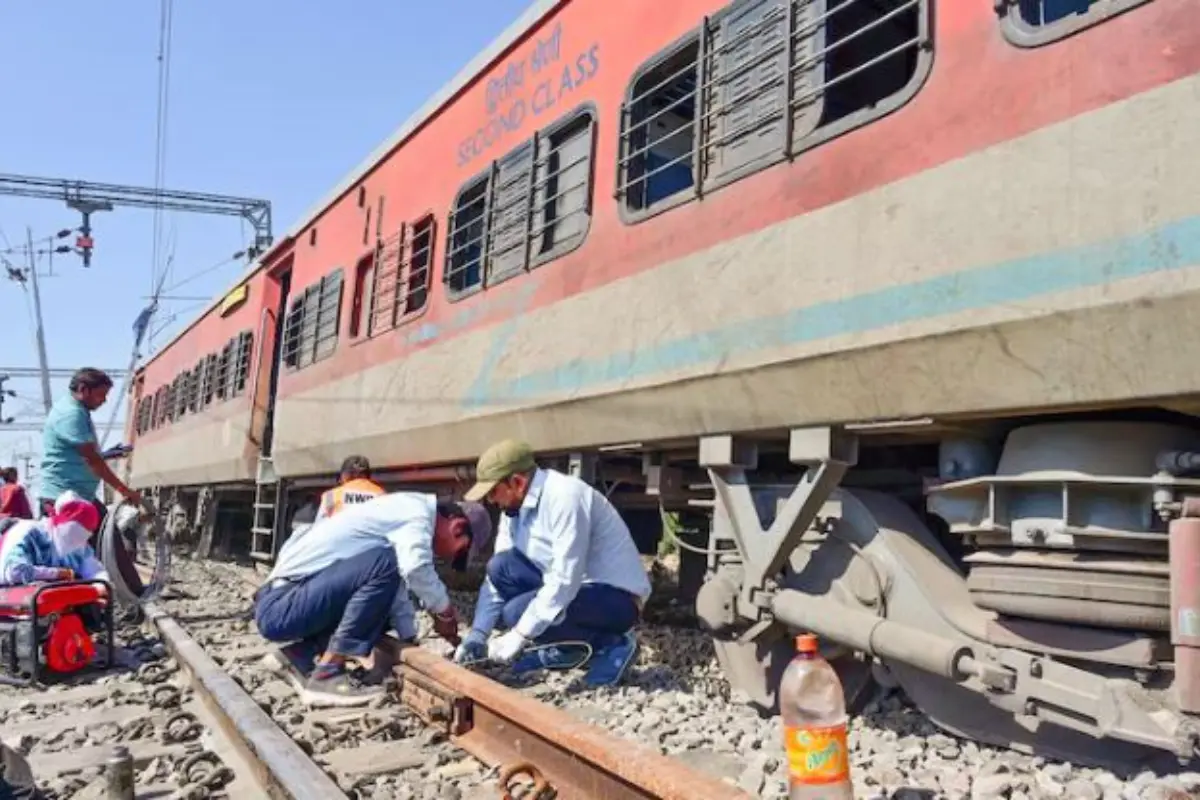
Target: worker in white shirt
[338,587]
[565,575]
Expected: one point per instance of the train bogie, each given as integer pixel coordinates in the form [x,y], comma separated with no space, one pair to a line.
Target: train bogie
[1052,633]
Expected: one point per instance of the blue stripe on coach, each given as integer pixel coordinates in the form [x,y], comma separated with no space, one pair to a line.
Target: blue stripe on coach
[1170,247]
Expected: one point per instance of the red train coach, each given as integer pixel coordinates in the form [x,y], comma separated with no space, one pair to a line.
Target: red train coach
[903,274]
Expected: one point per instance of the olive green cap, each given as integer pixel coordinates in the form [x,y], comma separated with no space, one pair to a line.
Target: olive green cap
[498,462]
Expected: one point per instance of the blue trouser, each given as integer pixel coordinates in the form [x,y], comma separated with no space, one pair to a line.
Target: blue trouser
[598,615]
[350,602]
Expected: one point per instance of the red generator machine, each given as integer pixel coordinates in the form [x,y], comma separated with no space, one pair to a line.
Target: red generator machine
[46,629]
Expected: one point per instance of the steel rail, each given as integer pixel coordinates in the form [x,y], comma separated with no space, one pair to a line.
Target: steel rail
[520,735]
[280,765]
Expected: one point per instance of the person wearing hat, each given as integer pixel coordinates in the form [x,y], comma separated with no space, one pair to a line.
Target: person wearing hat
[566,574]
[340,586]
[54,548]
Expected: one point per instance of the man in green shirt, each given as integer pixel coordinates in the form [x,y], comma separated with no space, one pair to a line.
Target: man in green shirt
[71,459]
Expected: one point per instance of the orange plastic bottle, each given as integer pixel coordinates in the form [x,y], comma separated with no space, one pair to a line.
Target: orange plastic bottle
[814,727]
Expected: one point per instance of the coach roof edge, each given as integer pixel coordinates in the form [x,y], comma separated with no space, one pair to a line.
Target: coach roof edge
[474,69]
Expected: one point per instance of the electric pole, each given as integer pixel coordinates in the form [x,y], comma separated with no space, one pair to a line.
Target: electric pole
[43,363]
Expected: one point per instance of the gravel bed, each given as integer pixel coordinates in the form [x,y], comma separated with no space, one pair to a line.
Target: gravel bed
[211,601]
[676,700]
[140,697]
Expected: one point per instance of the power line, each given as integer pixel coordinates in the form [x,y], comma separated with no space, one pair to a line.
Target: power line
[160,134]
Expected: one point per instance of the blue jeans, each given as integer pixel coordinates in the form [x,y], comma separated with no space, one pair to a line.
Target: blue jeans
[599,615]
[350,602]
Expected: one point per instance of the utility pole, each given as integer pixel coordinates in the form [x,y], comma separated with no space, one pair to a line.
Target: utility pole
[43,363]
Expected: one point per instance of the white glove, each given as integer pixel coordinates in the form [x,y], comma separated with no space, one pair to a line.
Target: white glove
[505,648]
[473,648]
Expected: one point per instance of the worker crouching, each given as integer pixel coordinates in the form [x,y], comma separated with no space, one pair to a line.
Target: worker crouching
[566,576]
[342,584]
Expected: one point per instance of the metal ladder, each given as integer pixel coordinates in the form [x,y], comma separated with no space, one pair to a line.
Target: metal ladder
[262,519]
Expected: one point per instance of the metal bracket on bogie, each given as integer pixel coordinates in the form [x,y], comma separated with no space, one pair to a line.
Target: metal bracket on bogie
[825,453]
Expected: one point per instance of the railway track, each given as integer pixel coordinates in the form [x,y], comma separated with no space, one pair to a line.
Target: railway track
[159,720]
[204,710]
[443,732]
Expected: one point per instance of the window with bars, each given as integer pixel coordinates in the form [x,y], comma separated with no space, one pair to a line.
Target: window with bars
[193,387]
[1029,23]
[221,373]
[242,345]
[207,373]
[400,280]
[144,417]
[311,327]
[532,206]
[179,396]
[160,407]
[758,83]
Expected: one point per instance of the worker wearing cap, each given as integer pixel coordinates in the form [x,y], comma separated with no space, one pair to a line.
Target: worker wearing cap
[565,573]
[354,486]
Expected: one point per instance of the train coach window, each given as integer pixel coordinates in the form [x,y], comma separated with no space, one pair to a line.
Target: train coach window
[243,343]
[464,246]
[659,130]
[156,408]
[221,373]
[508,227]
[179,396]
[207,374]
[400,283]
[193,387]
[142,423]
[532,205]
[1029,23]
[562,188]
[758,83]
[311,327]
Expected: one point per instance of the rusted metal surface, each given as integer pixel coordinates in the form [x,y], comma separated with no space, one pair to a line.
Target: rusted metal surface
[503,728]
[280,764]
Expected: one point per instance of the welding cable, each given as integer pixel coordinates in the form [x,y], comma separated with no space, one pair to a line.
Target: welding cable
[539,647]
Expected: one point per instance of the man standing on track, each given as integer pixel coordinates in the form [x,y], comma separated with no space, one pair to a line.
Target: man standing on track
[566,574]
[354,486]
[71,458]
[339,585]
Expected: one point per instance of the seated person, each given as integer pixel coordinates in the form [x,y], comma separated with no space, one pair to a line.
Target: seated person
[354,486]
[339,585]
[54,548]
[565,569]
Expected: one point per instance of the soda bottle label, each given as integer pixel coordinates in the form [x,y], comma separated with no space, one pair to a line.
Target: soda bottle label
[817,755]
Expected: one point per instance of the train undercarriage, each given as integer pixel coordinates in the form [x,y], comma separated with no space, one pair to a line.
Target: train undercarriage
[1042,597]
[1030,583]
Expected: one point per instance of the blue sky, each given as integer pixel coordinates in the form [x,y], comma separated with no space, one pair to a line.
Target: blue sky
[268,99]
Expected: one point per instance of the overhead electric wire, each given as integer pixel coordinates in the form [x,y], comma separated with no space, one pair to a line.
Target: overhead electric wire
[160,131]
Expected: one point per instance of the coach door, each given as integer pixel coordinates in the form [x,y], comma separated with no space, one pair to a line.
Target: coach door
[271,336]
